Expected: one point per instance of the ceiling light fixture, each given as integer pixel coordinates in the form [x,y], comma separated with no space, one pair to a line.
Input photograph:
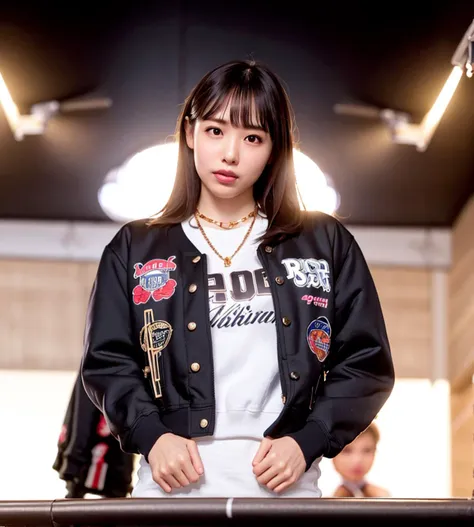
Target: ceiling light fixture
[20,125]
[402,130]
[419,135]
[35,122]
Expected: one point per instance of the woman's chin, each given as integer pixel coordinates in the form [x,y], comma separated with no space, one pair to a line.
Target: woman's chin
[219,191]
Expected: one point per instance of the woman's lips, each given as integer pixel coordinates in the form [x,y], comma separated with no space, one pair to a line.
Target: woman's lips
[225,177]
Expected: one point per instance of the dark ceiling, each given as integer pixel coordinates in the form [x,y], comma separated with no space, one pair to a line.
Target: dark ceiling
[148,55]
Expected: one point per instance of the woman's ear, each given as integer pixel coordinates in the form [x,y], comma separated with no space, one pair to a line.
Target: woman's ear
[189,129]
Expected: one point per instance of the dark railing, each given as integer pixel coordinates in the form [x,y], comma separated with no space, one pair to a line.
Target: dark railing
[238,511]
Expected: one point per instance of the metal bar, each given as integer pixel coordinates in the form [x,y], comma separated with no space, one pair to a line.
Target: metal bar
[238,511]
[36,513]
[380,510]
[220,511]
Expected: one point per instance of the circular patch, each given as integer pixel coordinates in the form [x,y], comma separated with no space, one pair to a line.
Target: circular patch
[318,336]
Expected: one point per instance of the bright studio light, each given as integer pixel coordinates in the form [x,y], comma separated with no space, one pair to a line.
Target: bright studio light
[142,185]
[314,189]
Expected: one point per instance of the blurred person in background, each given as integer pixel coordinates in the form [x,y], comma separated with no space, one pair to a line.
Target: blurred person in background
[354,463]
[89,458]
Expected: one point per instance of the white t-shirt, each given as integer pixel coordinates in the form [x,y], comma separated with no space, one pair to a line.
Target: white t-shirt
[246,374]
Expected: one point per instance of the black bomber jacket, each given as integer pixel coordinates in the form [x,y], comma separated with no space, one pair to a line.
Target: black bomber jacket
[148,360]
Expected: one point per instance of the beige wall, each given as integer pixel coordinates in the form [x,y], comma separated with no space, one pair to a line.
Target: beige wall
[405,295]
[42,312]
[461,301]
[461,351]
[462,452]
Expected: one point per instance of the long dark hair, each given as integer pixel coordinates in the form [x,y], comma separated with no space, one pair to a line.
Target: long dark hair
[253,92]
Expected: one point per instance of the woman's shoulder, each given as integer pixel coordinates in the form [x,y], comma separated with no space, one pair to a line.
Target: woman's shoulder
[134,234]
[328,230]
[342,492]
[372,491]
[138,229]
[317,221]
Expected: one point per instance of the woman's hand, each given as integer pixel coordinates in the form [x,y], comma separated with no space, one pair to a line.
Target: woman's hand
[175,462]
[278,463]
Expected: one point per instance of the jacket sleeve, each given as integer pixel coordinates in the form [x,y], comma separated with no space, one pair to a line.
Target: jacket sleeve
[112,377]
[359,367]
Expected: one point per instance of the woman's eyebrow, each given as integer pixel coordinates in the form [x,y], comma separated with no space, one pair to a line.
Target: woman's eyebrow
[226,122]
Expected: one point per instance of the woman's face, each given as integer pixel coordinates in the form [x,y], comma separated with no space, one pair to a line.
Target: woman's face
[229,159]
[355,461]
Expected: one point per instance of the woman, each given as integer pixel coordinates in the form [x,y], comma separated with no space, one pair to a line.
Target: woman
[203,349]
[354,463]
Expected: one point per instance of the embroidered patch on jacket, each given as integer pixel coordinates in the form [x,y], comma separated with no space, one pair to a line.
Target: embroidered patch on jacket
[154,280]
[98,468]
[63,434]
[102,429]
[154,337]
[317,301]
[308,272]
[318,336]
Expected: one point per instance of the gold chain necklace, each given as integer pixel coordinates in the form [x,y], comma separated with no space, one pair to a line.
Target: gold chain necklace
[227,259]
[230,224]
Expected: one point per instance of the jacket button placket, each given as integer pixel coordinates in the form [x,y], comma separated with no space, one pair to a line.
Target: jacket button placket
[195,367]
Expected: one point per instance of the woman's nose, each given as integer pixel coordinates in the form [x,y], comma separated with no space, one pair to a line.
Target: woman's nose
[231,153]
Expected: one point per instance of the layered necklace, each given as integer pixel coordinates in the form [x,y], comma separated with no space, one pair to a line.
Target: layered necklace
[226,225]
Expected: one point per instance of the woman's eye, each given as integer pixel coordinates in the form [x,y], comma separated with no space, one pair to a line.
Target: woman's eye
[214,131]
[254,139]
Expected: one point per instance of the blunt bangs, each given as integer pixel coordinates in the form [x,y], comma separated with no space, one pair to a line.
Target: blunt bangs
[251,103]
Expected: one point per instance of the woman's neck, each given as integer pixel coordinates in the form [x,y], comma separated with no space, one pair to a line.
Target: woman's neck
[225,210]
